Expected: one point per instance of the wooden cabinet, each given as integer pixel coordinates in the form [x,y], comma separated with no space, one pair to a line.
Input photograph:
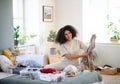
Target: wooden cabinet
[54,58]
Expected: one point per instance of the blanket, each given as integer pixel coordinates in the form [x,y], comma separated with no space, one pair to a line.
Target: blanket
[85,77]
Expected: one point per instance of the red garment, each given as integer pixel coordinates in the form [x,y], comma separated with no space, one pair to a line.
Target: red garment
[48,70]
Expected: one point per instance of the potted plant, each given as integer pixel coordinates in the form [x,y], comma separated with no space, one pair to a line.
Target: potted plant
[51,38]
[16,35]
[113,30]
[23,38]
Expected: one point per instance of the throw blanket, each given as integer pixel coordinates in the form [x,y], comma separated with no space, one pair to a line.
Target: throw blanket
[85,77]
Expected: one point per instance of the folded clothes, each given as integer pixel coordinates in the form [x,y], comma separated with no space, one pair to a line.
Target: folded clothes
[21,65]
[98,68]
[48,70]
[107,66]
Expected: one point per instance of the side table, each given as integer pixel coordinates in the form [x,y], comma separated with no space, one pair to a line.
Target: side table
[54,58]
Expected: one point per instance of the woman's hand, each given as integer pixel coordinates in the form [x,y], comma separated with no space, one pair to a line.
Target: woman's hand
[91,54]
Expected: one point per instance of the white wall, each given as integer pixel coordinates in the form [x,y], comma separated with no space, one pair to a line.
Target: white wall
[69,12]
[46,26]
[108,53]
[34,22]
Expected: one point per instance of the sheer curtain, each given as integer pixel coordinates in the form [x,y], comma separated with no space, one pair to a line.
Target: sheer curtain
[28,14]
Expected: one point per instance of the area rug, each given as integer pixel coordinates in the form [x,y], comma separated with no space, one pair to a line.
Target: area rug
[111,79]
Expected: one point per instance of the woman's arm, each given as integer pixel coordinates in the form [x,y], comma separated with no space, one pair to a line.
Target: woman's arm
[72,56]
[83,46]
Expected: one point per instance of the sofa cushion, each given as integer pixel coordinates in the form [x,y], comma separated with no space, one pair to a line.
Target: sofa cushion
[5,63]
[9,55]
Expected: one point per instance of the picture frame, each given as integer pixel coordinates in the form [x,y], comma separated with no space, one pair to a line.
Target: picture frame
[47,13]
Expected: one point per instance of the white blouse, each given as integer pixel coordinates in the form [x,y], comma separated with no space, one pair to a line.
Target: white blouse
[72,47]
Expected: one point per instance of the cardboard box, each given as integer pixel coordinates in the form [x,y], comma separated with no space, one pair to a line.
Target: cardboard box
[110,71]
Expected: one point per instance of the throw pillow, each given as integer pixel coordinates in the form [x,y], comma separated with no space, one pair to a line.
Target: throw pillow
[4,63]
[9,55]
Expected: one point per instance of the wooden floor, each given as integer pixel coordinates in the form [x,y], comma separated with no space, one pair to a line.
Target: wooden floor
[111,79]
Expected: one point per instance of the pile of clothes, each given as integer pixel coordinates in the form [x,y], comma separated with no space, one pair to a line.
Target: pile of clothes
[107,69]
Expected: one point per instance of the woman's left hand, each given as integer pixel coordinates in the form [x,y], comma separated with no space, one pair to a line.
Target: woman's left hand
[91,53]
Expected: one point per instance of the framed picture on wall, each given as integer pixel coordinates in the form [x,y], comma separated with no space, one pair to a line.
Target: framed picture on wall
[47,13]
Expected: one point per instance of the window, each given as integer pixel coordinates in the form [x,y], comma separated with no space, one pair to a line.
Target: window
[18,14]
[96,15]
[26,14]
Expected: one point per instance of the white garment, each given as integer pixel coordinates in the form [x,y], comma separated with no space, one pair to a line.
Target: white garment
[75,47]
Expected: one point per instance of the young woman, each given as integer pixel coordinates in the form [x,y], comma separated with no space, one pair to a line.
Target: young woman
[70,48]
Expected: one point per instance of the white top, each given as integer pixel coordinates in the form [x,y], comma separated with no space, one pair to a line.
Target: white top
[73,47]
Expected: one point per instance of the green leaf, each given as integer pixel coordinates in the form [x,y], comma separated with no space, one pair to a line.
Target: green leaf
[51,37]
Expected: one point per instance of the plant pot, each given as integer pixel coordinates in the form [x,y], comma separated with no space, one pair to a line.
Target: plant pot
[114,40]
[16,42]
[53,51]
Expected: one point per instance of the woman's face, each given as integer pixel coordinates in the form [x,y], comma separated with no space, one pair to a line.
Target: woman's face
[68,35]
